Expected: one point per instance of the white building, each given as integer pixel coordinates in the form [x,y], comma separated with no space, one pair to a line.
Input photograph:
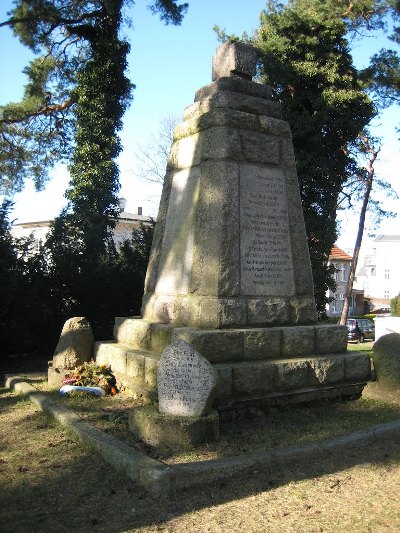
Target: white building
[122,231]
[379,275]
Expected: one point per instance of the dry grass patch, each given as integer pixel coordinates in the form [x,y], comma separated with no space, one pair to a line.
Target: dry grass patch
[280,427]
[49,483]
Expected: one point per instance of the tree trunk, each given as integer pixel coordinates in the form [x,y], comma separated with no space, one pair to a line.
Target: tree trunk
[368,180]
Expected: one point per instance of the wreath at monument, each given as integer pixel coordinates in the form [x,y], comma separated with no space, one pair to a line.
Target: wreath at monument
[90,375]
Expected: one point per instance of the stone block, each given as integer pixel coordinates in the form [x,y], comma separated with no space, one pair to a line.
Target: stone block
[133,332]
[101,352]
[268,311]
[357,367]
[303,310]
[228,118]
[291,375]
[185,381]
[326,370]
[252,105]
[117,360]
[161,337]
[164,308]
[274,126]
[232,313]
[165,431]
[215,240]
[150,371]
[287,153]
[297,341]
[330,338]
[203,312]
[260,148]
[223,388]
[253,379]
[234,85]
[185,152]
[234,59]
[221,143]
[216,345]
[135,364]
[262,343]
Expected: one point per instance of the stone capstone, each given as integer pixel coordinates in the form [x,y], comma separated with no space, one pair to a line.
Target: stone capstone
[186,381]
[234,59]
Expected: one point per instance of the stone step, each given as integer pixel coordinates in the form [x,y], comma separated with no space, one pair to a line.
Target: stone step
[134,369]
[141,334]
[245,381]
[234,345]
[250,379]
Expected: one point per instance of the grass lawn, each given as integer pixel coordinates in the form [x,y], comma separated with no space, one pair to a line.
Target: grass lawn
[49,483]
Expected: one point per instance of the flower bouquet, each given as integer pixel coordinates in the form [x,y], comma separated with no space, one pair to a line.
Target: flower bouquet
[90,377]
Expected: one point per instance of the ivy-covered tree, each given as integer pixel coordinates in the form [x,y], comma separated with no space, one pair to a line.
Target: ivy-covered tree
[72,108]
[70,39]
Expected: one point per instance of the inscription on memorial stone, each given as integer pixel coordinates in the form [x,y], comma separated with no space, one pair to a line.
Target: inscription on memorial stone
[185,381]
[266,259]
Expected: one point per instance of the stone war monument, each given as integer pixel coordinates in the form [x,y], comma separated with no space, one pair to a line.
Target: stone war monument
[229,272]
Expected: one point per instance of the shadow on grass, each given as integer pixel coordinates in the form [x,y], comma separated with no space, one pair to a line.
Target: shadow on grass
[65,486]
[278,428]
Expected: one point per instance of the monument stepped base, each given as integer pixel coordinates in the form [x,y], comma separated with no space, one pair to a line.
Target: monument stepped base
[257,367]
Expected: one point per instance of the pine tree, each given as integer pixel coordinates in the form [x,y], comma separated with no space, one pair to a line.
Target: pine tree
[305,56]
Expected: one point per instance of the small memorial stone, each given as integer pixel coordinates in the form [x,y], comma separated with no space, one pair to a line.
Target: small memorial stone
[185,381]
[75,344]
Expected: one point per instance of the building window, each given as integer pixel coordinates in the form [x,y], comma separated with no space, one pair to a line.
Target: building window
[341,296]
[343,272]
[386,294]
[337,272]
[387,273]
[334,309]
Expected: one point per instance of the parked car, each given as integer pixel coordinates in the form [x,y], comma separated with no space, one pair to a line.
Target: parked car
[360,329]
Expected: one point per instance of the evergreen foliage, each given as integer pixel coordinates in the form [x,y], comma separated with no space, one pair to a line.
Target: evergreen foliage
[72,109]
[305,56]
[40,290]
[395,306]
[74,40]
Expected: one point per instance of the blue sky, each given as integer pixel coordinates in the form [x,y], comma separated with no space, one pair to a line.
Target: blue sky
[168,64]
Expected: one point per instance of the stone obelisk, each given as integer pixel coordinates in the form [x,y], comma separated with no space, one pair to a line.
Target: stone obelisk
[229,272]
[230,247]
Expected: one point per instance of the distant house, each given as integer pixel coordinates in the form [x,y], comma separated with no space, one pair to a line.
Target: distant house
[378,275]
[342,262]
[122,231]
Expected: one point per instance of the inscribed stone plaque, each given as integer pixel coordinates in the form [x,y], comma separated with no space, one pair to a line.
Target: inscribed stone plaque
[185,381]
[265,251]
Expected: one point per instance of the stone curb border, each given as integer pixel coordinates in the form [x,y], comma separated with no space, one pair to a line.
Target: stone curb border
[160,479]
